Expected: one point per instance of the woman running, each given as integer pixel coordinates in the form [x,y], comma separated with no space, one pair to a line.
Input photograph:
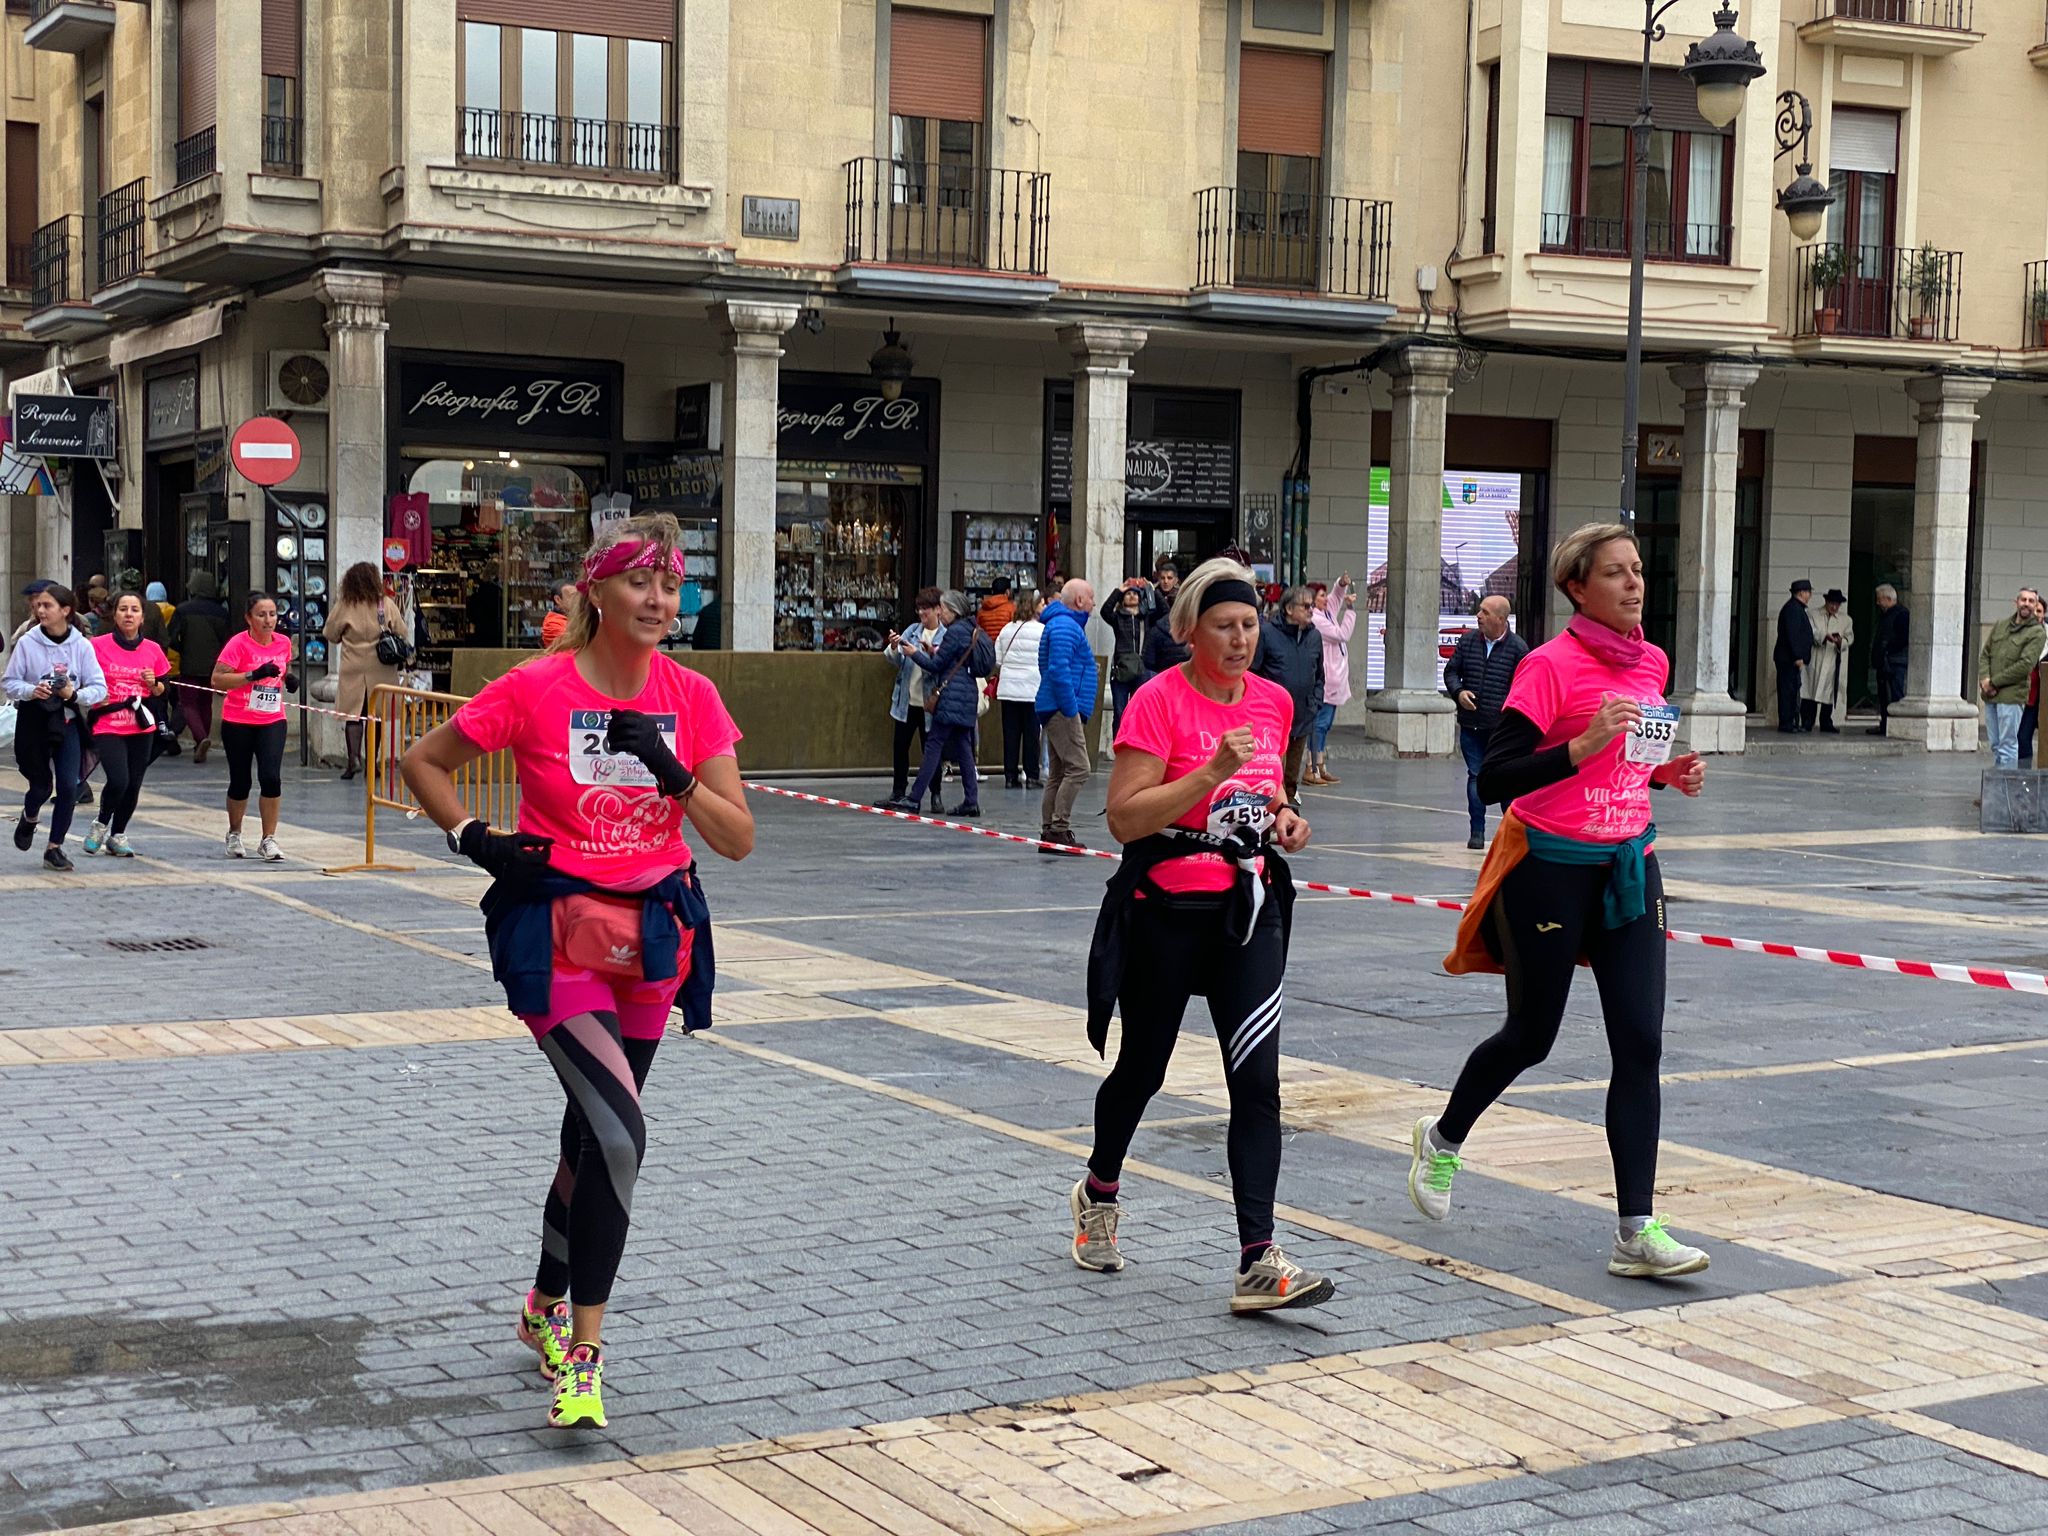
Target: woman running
[53,677]
[595,916]
[254,670]
[1200,905]
[124,726]
[1572,877]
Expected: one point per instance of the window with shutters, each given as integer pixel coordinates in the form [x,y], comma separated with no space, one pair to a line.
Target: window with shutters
[194,153]
[1588,187]
[938,106]
[281,103]
[24,207]
[1280,114]
[592,100]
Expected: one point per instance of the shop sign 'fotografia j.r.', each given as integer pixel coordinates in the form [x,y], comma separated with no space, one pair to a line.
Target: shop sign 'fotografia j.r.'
[561,402]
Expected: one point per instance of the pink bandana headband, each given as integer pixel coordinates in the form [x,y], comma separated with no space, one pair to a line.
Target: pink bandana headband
[627,555]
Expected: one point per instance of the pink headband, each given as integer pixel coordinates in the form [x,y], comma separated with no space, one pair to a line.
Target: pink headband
[626,556]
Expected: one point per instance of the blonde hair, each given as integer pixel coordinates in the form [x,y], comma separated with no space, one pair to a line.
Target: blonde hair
[1573,558]
[657,528]
[1187,598]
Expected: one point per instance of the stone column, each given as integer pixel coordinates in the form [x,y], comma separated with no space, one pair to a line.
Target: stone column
[1712,720]
[1102,413]
[1934,712]
[358,304]
[1410,710]
[746,565]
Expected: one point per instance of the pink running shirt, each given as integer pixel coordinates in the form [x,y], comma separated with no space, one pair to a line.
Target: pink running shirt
[1170,720]
[1559,687]
[130,675]
[610,825]
[258,703]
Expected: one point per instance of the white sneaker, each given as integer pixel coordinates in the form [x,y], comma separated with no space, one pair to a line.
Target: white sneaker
[1654,1254]
[96,837]
[235,848]
[117,845]
[269,850]
[1275,1281]
[1430,1173]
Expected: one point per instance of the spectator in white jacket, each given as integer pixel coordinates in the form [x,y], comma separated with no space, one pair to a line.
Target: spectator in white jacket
[1017,692]
[53,677]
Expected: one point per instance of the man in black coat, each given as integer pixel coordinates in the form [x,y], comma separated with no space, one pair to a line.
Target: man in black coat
[1791,654]
[1889,655]
[1477,678]
[1291,654]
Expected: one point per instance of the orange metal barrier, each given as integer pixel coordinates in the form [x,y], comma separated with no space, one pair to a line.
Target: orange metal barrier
[398,717]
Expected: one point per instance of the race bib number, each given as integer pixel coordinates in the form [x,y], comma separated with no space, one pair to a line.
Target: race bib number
[1237,807]
[591,763]
[1651,738]
[266,700]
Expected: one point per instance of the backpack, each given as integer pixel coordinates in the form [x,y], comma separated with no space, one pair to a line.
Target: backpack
[981,656]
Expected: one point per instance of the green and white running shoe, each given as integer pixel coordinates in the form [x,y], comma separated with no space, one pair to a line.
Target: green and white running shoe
[1653,1254]
[96,837]
[1094,1230]
[118,847]
[546,1333]
[579,1394]
[1430,1173]
[1275,1281]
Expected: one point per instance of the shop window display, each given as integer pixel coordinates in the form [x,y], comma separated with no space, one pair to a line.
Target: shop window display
[839,556]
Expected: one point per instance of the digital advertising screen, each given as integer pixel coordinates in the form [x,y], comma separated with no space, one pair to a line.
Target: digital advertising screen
[1481,558]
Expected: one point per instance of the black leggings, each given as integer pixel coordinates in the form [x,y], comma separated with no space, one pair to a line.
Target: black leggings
[262,744]
[46,748]
[126,759]
[1020,740]
[1542,917]
[590,1204]
[1176,950]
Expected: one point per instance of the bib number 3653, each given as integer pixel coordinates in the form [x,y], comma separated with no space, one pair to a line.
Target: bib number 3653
[1651,738]
[591,763]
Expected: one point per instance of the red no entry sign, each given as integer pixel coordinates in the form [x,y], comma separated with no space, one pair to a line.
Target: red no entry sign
[265,450]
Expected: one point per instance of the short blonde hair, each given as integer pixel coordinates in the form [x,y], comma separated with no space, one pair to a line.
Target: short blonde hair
[657,528]
[1187,598]
[1573,559]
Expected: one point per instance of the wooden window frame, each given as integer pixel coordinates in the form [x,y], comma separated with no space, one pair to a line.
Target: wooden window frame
[1681,187]
[511,72]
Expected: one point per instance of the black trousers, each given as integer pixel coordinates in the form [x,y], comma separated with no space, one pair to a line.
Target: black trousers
[1177,950]
[46,749]
[1789,678]
[127,759]
[260,747]
[1020,740]
[1891,687]
[912,724]
[1542,917]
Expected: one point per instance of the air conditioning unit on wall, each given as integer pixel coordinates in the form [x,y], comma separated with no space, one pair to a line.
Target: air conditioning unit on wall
[299,381]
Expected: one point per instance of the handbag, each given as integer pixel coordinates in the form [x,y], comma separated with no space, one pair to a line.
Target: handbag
[392,650]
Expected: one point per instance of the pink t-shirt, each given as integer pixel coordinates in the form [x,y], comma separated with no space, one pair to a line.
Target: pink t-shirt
[1559,687]
[611,826]
[130,675]
[1169,720]
[259,703]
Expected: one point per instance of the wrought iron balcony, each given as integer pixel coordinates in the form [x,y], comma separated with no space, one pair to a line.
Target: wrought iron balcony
[1942,15]
[2034,309]
[123,223]
[1876,291]
[580,145]
[941,214]
[1579,235]
[60,267]
[281,140]
[1293,242]
[193,158]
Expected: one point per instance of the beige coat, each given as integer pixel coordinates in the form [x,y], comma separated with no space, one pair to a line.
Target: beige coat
[1827,675]
[353,628]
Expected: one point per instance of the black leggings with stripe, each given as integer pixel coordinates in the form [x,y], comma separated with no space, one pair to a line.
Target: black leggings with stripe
[1177,950]
[590,1204]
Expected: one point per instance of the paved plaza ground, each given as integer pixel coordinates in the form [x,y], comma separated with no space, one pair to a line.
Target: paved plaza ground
[274,1183]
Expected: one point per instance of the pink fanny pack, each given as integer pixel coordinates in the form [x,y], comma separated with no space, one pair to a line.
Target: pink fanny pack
[602,934]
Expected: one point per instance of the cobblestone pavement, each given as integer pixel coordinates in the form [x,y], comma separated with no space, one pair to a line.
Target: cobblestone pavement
[275,1184]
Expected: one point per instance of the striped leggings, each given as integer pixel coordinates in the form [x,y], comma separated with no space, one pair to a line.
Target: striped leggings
[1176,950]
[590,1203]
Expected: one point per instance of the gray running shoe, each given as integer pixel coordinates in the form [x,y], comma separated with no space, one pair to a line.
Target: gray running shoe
[1653,1254]
[1430,1173]
[235,848]
[1275,1281]
[1094,1230]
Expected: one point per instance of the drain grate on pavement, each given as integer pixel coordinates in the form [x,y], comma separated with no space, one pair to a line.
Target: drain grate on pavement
[157,946]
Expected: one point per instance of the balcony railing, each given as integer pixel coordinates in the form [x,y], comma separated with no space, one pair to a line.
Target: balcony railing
[60,264]
[939,214]
[2034,308]
[281,153]
[1293,242]
[123,221]
[20,264]
[193,157]
[1945,15]
[1580,235]
[579,144]
[1876,290]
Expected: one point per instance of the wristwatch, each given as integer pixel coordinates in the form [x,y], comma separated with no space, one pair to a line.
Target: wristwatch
[455,835]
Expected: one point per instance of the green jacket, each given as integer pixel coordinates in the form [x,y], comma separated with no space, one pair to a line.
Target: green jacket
[2011,651]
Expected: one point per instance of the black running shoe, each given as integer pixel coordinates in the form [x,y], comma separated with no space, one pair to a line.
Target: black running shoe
[24,834]
[53,858]
[966,812]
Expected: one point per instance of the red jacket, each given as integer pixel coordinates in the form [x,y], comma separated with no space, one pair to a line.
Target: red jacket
[996,611]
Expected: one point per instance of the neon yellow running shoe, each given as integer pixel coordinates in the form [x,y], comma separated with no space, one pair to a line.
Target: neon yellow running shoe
[1654,1254]
[579,1395]
[545,1331]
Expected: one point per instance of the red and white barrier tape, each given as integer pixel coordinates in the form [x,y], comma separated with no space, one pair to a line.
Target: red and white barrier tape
[1929,970]
[311,709]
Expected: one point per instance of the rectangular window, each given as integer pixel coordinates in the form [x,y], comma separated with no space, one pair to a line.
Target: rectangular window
[938,102]
[539,104]
[536,96]
[1280,114]
[280,22]
[195,67]
[483,99]
[590,70]
[24,204]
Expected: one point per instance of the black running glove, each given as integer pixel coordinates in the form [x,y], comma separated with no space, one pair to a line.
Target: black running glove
[291,682]
[269,669]
[504,855]
[634,733]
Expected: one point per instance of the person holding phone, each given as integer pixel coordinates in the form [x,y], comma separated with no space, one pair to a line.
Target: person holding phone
[254,671]
[1583,739]
[52,677]
[1202,904]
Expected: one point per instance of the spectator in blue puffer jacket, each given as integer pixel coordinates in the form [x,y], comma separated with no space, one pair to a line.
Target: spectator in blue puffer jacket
[1067,687]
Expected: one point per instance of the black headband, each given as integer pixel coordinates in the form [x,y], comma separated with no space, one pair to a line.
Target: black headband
[1229,590]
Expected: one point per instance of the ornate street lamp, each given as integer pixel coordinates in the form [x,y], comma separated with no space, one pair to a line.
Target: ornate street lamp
[890,366]
[1804,202]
